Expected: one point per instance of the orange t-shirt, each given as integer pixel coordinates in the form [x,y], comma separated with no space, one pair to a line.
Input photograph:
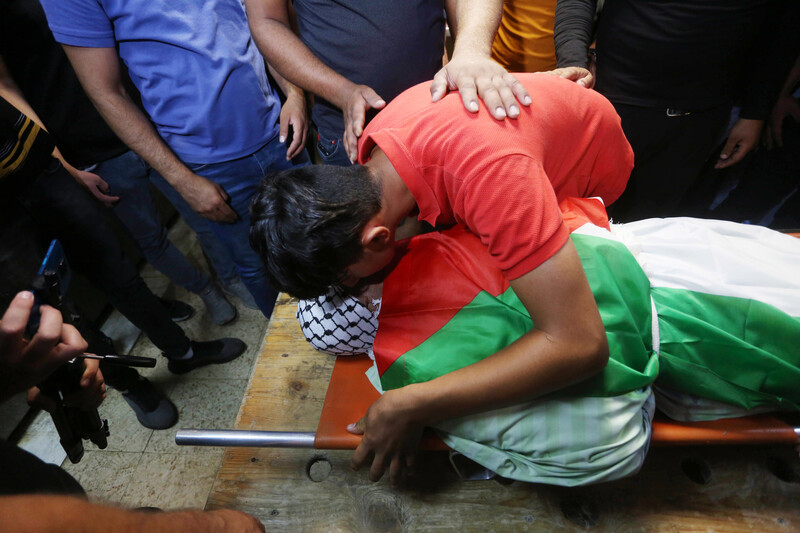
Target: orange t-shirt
[524,40]
[504,179]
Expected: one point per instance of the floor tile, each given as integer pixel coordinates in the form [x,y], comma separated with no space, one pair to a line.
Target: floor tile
[127,434]
[172,481]
[41,439]
[141,467]
[204,404]
[105,475]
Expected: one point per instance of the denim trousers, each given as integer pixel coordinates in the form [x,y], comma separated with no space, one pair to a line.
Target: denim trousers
[62,209]
[129,177]
[330,148]
[240,179]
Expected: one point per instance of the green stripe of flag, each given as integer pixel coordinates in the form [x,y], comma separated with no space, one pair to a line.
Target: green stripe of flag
[488,324]
[733,350]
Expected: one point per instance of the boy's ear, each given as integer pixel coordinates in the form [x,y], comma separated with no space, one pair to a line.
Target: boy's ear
[376,237]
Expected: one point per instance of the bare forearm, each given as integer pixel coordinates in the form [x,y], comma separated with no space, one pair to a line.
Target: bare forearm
[135,130]
[287,54]
[567,345]
[529,368]
[57,514]
[474,24]
[287,88]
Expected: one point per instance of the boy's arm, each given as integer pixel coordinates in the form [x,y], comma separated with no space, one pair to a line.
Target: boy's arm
[98,72]
[567,345]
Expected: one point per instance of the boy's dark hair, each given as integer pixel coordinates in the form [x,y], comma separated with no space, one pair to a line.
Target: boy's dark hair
[306,225]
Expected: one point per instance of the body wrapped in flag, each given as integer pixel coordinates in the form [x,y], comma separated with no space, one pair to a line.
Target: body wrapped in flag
[722,342]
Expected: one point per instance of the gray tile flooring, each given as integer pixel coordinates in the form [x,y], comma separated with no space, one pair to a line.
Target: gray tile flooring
[142,467]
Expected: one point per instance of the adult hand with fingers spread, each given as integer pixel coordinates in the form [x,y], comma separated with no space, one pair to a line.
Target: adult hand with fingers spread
[744,137]
[581,76]
[476,75]
[26,363]
[354,105]
[391,435]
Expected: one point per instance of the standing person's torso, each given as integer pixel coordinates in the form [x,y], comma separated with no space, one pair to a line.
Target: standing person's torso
[24,147]
[388,45]
[202,80]
[42,71]
[685,54]
[524,40]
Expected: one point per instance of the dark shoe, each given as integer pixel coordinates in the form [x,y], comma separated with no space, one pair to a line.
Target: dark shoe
[153,409]
[208,353]
[219,308]
[178,311]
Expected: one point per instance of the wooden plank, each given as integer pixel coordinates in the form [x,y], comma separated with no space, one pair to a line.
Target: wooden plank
[735,488]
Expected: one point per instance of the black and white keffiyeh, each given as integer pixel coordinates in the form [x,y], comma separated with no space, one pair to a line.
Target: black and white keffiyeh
[338,325]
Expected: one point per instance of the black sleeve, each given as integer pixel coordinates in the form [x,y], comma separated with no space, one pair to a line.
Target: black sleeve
[573,30]
[770,58]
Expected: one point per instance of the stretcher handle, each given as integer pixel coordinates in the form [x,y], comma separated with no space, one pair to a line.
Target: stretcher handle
[245,438]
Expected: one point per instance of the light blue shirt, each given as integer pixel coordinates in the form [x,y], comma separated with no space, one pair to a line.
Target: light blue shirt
[201,77]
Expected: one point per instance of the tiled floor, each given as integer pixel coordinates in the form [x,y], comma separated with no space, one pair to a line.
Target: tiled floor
[142,467]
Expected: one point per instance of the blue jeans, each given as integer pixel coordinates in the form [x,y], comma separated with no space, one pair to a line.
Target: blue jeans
[129,177]
[240,179]
[330,148]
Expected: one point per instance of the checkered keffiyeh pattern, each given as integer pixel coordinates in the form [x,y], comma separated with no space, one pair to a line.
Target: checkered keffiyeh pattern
[338,325]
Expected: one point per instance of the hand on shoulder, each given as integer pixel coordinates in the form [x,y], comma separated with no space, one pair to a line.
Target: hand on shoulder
[476,75]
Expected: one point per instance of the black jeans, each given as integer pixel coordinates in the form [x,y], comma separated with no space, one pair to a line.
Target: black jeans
[62,209]
[670,154]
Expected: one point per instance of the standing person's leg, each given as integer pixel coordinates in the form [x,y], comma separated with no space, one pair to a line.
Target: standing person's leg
[70,213]
[128,178]
[214,250]
[240,179]
[152,407]
[669,153]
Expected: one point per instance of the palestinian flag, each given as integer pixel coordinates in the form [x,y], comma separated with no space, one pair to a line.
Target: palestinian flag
[461,309]
[728,302]
[726,296]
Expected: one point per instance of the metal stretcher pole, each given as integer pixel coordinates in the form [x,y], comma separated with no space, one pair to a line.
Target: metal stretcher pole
[255,439]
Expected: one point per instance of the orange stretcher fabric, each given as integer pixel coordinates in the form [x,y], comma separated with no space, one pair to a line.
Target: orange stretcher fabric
[350,394]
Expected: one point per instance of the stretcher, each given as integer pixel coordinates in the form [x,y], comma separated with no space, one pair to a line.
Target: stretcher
[350,394]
